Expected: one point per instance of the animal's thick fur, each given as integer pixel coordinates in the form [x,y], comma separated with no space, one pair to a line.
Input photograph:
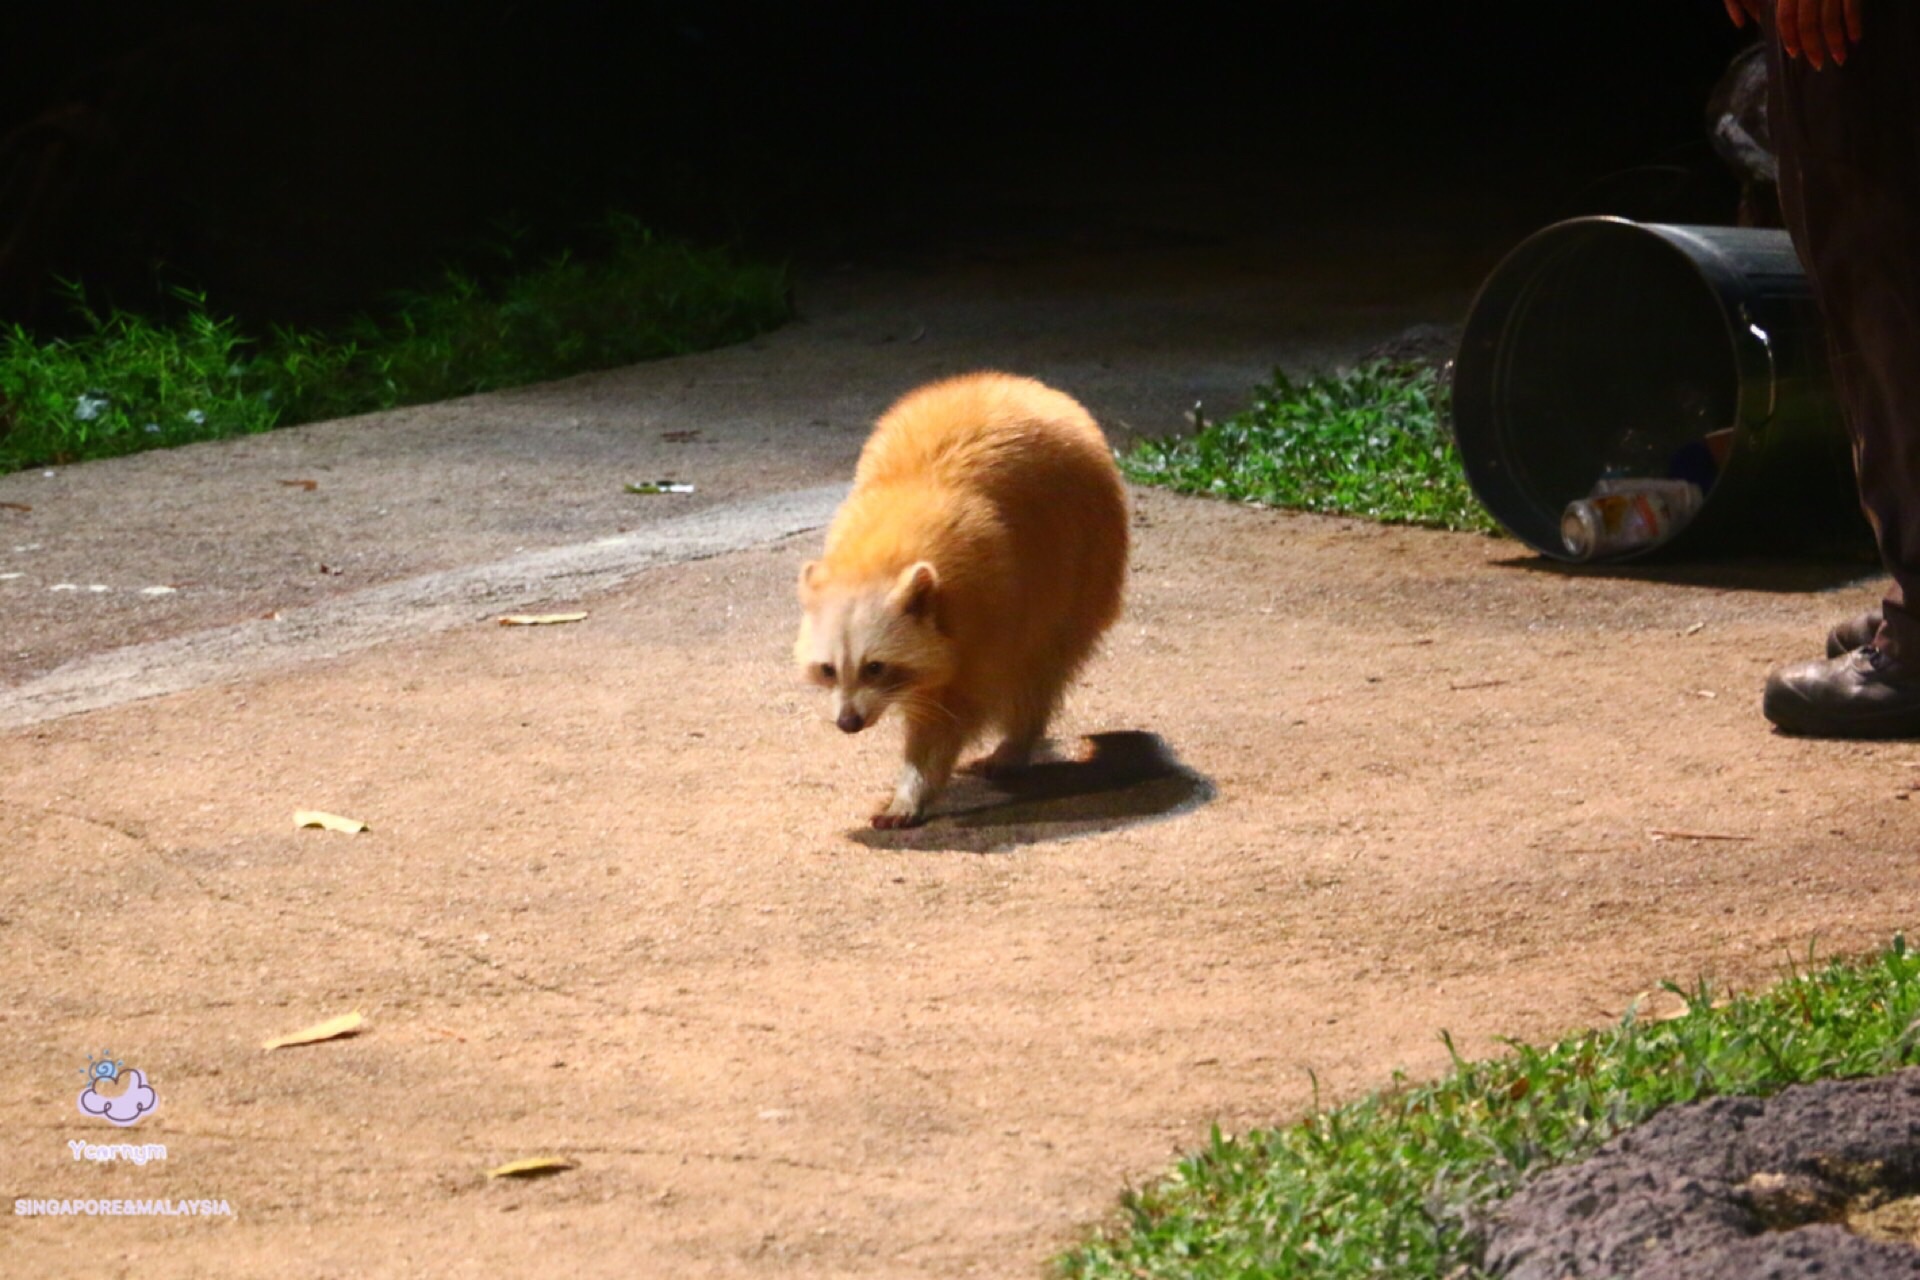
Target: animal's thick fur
[977,561]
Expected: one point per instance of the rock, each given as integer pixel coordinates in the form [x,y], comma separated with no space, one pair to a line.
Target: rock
[1811,1182]
[1432,344]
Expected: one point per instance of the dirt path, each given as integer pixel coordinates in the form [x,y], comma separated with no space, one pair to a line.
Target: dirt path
[616,905]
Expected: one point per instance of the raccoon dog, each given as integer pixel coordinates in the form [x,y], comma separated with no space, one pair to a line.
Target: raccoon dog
[968,575]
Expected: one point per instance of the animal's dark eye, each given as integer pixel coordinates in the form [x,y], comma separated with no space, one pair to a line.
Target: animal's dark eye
[873,670]
[826,671]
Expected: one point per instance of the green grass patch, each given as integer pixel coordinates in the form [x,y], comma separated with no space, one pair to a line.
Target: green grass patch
[126,382]
[1373,442]
[1382,1187]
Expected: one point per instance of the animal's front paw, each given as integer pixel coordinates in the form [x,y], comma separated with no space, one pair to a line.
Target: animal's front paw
[892,818]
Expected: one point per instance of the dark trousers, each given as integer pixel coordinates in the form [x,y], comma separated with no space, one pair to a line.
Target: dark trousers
[1848,140]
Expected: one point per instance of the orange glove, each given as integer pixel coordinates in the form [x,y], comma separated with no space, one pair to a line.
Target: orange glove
[1821,31]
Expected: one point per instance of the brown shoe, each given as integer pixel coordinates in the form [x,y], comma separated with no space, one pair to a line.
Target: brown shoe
[1854,633]
[1862,694]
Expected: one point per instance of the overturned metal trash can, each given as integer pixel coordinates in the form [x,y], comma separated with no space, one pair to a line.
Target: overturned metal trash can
[1602,349]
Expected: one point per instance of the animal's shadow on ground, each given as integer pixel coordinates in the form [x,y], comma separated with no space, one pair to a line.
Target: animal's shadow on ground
[1126,777]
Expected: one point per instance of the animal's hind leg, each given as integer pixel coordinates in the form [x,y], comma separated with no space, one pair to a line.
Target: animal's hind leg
[1014,753]
[1023,726]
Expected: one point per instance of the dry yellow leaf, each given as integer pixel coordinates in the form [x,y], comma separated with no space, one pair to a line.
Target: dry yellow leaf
[347,1024]
[540,619]
[331,821]
[537,1167]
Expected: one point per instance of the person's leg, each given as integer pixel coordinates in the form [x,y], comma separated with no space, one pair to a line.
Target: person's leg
[1848,141]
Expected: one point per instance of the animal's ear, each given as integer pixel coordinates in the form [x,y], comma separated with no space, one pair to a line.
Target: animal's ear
[913,590]
[811,574]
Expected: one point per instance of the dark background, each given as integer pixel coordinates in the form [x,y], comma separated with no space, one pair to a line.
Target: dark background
[298,158]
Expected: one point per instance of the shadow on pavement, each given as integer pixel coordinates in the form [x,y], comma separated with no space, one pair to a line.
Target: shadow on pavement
[1126,777]
[1826,572]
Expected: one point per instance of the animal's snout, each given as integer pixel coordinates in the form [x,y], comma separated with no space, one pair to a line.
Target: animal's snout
[851,721]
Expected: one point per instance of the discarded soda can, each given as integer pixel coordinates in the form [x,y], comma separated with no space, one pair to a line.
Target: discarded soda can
[1720,445]
[1702,460]
[1625,515]
[1683,496]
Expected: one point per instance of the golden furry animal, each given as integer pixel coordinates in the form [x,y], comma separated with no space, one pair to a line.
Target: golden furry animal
[968,575]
